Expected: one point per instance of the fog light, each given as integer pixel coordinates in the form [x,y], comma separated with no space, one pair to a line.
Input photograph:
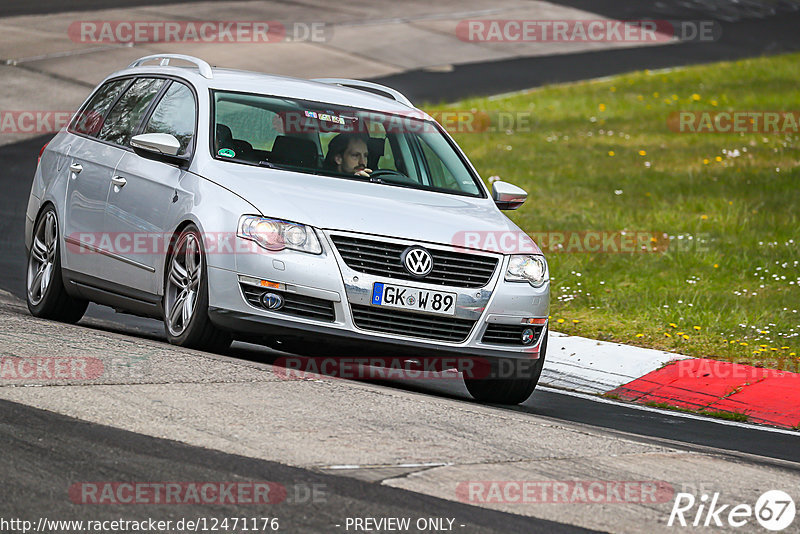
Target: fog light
[528,336]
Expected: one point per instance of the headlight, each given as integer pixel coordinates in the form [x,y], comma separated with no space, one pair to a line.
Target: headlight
[532,269]
[275,235]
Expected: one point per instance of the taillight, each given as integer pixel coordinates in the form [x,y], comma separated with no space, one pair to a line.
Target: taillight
[41,152]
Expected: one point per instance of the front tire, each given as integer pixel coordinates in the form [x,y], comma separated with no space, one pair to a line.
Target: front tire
[515,390]
[45,293]
[185,302]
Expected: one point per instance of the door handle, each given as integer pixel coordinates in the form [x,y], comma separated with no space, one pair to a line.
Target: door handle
[119,181]
[76,168]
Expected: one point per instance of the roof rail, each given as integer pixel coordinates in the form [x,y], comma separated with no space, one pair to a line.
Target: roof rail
[205,68]
[362,85]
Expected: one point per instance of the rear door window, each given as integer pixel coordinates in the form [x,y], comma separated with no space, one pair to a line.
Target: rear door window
[90,120]
[128,111]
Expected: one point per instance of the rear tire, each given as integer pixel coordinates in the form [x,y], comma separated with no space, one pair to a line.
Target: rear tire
[185,301]
[45,293]
[514,390]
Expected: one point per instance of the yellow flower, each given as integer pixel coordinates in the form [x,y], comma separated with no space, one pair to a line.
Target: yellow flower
[744,344]
[602,107]
[714,103]
[611,153]
[653,240]
[697,328]
[642,152]
[730,203]
[640,98]
[613,89]
[673,325]
[763,346]
[679,334]
[704,217]
[773,349]
[674,97]
[685,337]
[792,354]
[705,161]
[762,332]
[784,348]
[655,95]
[647,195]
[695,97]
[639,335]
[666,334]
[575,321]
[560,321]
[718,158]
[716,265]
[667,101]
[725,341]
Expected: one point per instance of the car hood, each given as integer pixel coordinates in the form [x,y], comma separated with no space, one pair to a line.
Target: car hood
[357,206]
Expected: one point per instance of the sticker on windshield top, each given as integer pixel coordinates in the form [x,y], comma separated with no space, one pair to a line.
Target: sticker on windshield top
[324,117]
[227,152]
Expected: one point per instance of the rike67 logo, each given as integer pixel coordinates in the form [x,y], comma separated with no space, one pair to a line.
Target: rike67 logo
[774,510]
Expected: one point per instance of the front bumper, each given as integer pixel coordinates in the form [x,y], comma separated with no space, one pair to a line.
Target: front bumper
[328,277]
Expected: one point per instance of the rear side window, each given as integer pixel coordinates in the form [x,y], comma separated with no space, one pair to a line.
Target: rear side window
[90,120]
[127,112]
[175,115]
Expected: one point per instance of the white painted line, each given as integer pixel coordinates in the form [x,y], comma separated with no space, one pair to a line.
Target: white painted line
[430,464]
[670,413]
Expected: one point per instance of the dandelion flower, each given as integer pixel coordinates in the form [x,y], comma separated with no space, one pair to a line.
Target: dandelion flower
[696,97]
[784,348]
[718,158]
[601,107]
[673,325]
[792,354]
[685,337]
[743,343]
[666,334]
[697,328]
[716,265]
[639,335]
[611,153]
[714,103]
[640,98]
[655,95]
[560,321]
[674,97]
[679,334]
[704,217]
[642,152]
[705,161]
[575,321]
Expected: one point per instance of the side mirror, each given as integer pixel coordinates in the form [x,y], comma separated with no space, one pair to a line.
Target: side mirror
[508,196]
[160,147]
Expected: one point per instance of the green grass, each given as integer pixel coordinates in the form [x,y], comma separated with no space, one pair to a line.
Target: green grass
[728,279]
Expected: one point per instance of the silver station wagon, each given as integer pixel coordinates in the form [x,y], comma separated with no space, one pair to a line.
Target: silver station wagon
[319,217]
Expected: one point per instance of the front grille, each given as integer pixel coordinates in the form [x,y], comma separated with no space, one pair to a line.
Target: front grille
[509,334]
[411,324]
[298,305]
[383,259]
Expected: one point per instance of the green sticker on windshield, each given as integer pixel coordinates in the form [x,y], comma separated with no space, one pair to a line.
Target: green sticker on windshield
[227,152]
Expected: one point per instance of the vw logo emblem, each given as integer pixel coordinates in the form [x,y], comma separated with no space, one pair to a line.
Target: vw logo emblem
[417,261]
[272,301]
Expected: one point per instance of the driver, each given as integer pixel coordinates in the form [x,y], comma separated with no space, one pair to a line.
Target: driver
[347,154]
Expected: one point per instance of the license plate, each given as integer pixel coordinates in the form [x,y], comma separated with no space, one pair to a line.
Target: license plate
[413,299]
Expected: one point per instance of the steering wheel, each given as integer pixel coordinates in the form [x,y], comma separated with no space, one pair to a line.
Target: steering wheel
[392,176]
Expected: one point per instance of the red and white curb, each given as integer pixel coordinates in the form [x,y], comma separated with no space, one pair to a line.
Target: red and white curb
[645,376]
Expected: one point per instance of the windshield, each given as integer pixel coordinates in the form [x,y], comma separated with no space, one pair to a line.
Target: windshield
[344,142]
